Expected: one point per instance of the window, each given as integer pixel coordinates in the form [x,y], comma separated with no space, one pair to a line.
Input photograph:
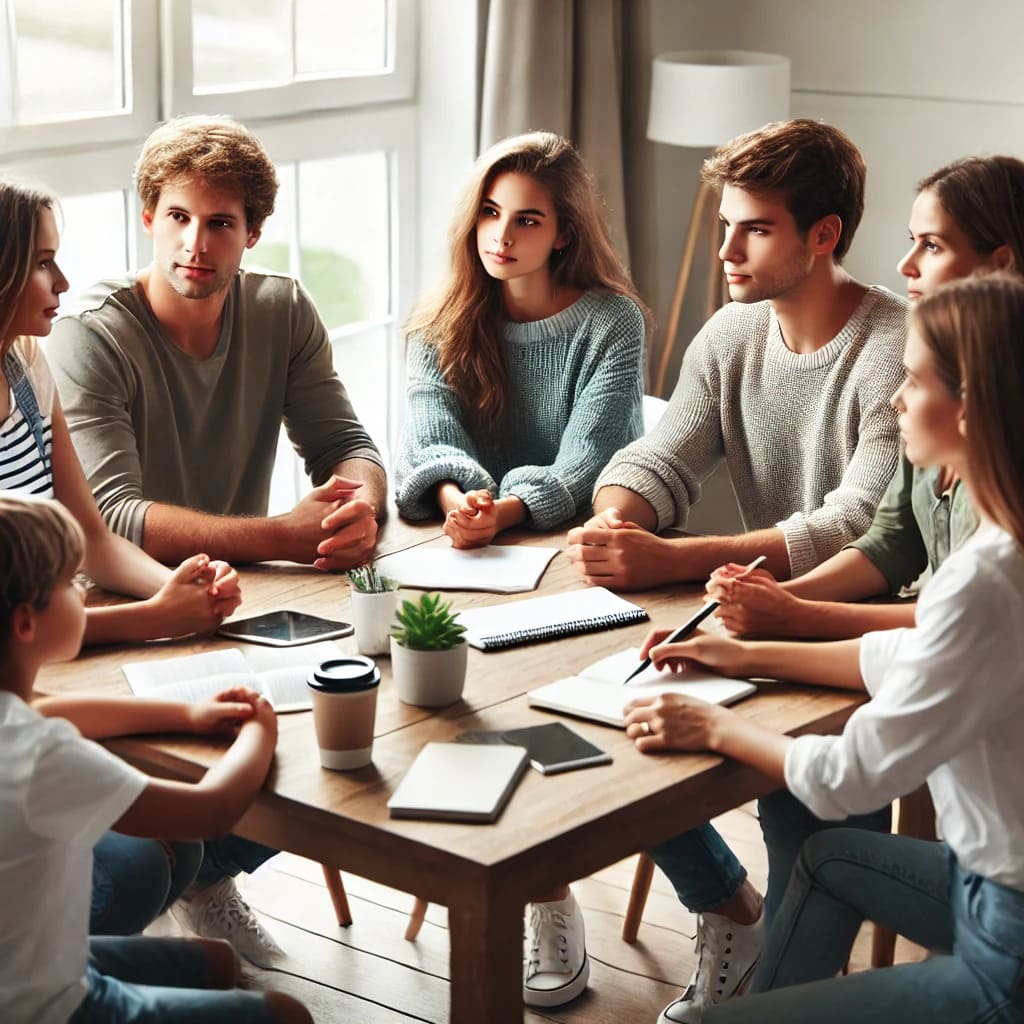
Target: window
[328,85]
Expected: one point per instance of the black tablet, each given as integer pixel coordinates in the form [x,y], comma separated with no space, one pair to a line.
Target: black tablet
[284,629]
[552,748]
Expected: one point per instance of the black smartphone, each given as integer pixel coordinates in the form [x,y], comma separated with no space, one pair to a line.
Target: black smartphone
[552,748]
[284,628]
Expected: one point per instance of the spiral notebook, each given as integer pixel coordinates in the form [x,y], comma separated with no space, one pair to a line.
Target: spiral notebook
[548,618]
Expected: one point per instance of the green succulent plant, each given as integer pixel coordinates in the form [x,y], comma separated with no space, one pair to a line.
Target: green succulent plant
[427,625]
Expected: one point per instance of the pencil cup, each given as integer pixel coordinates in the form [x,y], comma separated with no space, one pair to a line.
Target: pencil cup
[344,694]
[372,616]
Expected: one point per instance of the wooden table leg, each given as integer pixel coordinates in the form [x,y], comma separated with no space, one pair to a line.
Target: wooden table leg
[486,960]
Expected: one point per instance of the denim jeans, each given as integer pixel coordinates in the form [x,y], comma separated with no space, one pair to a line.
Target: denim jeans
[160,981]
[228,856]
[705,872]
[844,876]
[787,824]
[135,880]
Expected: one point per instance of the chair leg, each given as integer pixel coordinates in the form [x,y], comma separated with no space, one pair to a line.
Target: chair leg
[335,886]
[419,911]
[637,897]
[916,818]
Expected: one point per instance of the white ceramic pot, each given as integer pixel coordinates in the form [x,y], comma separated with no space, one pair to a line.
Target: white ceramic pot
[373,615]
[428,679]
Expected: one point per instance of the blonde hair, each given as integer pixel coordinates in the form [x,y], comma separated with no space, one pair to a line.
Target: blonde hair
[464,319]
[41,545]
[217,150]
[20,204]
[981,319]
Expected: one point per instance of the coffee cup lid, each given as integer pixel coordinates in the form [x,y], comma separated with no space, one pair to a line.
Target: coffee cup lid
[347,674]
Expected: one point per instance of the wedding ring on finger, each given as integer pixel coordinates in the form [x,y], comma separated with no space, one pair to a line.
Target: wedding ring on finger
[645,728]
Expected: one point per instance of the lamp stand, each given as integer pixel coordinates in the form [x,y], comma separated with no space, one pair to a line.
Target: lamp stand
[704,213]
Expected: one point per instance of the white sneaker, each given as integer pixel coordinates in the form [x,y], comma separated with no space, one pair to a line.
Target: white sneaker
[727,954]
[555,962]
[219,912]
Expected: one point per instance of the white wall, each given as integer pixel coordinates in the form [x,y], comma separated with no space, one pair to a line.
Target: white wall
[914,83]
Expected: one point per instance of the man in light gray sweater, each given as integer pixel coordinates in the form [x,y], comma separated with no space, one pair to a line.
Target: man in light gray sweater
[176,381]
[790,384]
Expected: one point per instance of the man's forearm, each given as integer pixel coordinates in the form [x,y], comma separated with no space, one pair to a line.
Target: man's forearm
[697,557]
[849,575]
[631,506]
[373,479]
[171,533]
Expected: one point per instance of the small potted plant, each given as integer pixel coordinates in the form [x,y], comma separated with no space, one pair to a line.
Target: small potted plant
[373,601]
[428,653]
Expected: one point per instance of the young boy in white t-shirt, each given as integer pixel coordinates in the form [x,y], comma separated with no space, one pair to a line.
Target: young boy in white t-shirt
[59,792]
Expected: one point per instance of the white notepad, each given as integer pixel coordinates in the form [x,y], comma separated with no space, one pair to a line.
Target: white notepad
[499,568]
[597,692]
[548,618]
[279,673]
[459,782]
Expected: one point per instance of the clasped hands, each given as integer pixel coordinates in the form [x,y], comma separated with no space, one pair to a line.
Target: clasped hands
[613,552]
[332,526]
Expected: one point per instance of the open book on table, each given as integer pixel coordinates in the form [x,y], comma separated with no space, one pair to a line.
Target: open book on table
[597,692]
[279,673]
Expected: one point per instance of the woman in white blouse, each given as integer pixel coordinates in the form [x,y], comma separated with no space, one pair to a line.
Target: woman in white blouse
[947,707]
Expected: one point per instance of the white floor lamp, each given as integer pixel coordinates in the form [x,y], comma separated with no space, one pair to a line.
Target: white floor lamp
[702,98]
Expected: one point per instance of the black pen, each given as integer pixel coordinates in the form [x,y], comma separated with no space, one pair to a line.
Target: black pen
[692,623]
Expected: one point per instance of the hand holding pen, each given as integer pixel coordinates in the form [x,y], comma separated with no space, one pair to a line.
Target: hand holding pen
[693,622]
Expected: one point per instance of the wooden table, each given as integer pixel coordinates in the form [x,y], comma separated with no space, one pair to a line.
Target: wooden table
[554,830]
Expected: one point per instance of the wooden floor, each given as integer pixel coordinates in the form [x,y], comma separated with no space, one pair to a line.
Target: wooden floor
[368,974]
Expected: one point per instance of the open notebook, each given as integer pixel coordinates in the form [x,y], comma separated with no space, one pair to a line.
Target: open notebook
[548,618]
[500,568]
[597,692]
[279,673]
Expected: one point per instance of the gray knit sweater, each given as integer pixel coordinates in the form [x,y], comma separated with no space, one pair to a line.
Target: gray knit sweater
[575,390]
[810,439]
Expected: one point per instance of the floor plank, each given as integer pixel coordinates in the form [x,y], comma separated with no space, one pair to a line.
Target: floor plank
[368,974]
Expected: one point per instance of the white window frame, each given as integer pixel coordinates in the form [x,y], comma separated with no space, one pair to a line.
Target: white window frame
[397,82]
[142,94]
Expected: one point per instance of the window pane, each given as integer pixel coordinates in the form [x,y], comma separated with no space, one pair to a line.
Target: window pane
[338,36]
[64,41]
[235,45]
[361,362]
[94,240]
[344,233]
[274,249]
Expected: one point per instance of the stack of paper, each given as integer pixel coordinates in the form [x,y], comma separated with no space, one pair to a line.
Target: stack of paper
[502,569]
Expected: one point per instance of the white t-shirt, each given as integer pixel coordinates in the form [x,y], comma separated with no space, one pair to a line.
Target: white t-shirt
[58,794]
[947,706]
[22,469]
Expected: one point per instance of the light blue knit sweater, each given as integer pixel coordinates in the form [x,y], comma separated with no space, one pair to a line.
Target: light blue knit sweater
[575,391]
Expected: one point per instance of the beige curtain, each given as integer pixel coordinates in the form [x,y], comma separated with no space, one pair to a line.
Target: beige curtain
[556,65]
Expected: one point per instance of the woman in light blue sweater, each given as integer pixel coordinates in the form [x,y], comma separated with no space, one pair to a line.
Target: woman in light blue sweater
[525,370]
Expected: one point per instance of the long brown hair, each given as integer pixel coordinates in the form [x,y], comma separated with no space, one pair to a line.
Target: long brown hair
[464,320]
[985,196]
[981,320]
[19,216]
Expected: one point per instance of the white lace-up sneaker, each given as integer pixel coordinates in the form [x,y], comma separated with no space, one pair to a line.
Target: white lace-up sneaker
[219,912]
[727,954]
[555,962]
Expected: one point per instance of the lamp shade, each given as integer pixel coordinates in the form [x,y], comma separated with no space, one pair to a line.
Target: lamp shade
[707,97]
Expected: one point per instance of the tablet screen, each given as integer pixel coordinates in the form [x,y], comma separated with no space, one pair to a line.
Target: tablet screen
[284,628]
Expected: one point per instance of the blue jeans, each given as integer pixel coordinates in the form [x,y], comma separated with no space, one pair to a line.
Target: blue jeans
[135,880]
[705,872]
[230,855]
[160,981]
[845,876]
